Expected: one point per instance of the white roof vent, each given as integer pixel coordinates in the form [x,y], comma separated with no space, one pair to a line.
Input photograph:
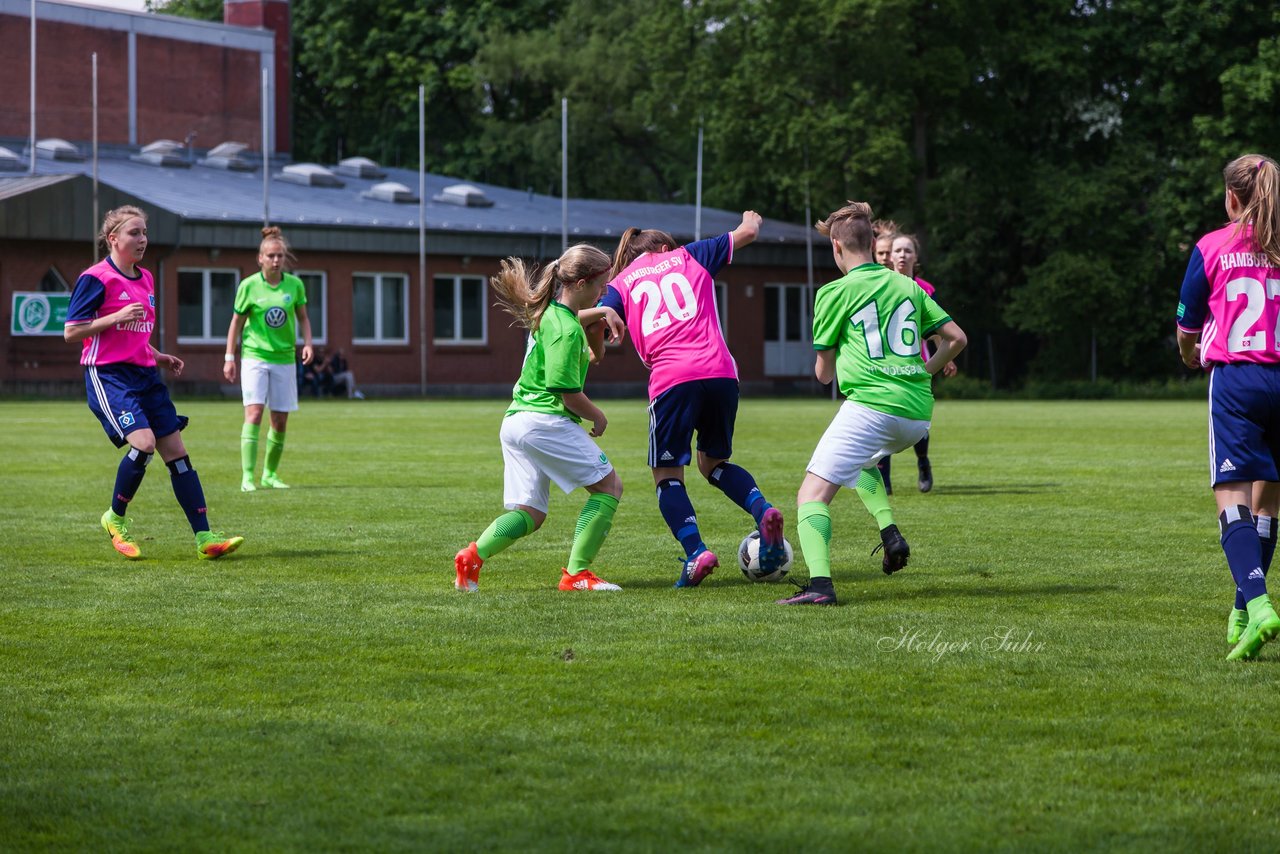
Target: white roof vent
[390,191]
[57,149]
[229,155]
[9,159]
[163,152]
[464,195]
[360,167]
[309,175]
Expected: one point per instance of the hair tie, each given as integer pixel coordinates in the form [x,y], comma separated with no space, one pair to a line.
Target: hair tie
[1258,168]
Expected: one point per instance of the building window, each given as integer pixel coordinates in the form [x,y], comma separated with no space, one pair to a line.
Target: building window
[459,310]
[53,283]
[722,309]
[206,299]
[317,285]
[381,308]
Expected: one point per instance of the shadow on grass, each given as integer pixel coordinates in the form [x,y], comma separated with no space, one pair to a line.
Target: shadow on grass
[991,489]
[881,593]
[708,586]
[279,552]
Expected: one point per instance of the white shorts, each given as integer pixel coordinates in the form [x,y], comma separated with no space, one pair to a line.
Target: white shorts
[537,448]
[858,438]
[269,383]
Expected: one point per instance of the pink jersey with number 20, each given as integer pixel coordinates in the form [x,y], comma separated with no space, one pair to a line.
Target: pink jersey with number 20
[1231,295]
[669,302]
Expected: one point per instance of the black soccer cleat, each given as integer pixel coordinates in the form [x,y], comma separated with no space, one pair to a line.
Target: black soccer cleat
[896,550]
[925,481]
[819,591]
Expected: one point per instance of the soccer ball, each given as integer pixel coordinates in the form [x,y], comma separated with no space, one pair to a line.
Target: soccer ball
[749,560]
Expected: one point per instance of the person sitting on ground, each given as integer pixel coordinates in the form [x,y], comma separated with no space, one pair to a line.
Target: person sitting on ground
[341,376]
[310,375]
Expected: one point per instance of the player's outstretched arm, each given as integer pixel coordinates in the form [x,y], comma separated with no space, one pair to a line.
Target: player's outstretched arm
[951,340]
[75,332]
[748,230]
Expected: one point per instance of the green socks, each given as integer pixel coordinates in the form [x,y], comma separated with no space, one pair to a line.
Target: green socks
[502,532]
[871,490]
[275,448]
[249,448]
[814,526]
[594,523]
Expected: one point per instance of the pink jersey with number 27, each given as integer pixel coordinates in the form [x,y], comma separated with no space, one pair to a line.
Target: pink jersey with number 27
[1231,295]
[669,302]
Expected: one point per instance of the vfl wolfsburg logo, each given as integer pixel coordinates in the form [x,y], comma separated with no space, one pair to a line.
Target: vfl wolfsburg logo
[276,317]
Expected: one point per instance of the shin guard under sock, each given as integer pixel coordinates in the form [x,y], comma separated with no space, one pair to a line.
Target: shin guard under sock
[133,467]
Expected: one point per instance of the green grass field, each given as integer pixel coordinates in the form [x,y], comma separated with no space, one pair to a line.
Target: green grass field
[325,688]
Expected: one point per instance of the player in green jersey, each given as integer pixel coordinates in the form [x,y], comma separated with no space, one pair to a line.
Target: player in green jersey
[270,309]
[542,437]
[867,328]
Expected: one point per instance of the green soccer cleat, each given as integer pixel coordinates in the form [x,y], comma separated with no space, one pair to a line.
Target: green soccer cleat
[211,545]
[117,527]
[270,481]
[246,484]
[1236,624]
[1262,628]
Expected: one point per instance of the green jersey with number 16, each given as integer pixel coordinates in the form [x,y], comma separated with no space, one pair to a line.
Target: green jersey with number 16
[874,319]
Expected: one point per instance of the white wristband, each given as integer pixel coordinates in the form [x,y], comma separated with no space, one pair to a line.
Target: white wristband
[230,357]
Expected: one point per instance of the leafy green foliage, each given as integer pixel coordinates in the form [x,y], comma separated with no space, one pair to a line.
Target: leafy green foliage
[202,10]
[1058,160]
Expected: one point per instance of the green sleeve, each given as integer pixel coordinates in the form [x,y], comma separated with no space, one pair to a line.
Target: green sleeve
[562,371]
[933,316]
[300,291]
[827,318]
[243,303]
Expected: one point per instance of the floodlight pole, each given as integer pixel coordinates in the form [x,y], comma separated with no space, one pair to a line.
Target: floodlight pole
[33,87]
[94,225]
[266,156]
[422,236]
[808,253]
[697,216]
[564,174]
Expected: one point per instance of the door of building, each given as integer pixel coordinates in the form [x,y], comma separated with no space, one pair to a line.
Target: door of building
[788,323]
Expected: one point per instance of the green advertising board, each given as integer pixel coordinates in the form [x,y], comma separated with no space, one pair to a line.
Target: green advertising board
[36,313]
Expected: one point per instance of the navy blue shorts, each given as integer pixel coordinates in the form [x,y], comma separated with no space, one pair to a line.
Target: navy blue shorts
[1244,422]
[709,407]
[130,397]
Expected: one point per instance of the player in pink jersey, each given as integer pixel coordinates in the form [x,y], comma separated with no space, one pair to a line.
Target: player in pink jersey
[1228,312]
[902,256]
[666,295]
[113,311]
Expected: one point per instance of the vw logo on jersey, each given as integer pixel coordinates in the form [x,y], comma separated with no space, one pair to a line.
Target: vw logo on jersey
[275,317]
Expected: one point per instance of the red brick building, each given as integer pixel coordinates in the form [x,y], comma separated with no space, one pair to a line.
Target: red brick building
[356,237]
